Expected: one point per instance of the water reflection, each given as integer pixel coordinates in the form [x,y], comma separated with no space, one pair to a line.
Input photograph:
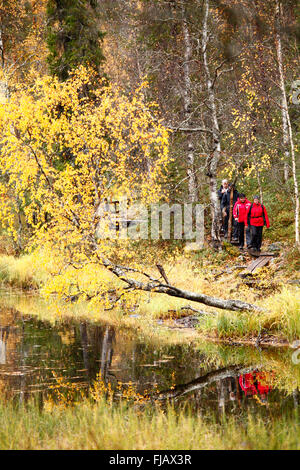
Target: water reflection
[4,332]
[256,384]
[231,385]
[32,352]
[107,351]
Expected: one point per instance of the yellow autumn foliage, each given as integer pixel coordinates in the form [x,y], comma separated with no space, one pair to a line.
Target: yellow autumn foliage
[65,148]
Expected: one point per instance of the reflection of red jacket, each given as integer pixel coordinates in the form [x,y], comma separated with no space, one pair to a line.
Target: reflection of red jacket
[240,210]
[256,216]
[247,384]
[263,387]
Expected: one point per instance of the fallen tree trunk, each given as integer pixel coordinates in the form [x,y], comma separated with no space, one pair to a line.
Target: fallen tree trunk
[155,285]
[225,304]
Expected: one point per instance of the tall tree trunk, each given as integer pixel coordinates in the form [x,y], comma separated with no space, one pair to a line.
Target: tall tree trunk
[4,94]
[216,151]
[258,178]
[285,112]
[192,180]
[285,129]
[285,142]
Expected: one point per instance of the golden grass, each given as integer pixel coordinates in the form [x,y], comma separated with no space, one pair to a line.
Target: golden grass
[26,272]
[90,426]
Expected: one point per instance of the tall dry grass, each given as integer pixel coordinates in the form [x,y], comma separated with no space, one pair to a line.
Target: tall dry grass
[101,426]
[280,316]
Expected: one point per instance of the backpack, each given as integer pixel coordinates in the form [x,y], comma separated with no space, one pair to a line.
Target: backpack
[263,215]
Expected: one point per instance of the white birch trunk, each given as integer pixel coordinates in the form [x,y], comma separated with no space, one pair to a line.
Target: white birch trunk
[214,161]
[285,111]
[3,82]
[285,142]
[192,180]
[285,130]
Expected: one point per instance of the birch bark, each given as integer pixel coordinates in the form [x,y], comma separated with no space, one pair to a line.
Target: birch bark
[192,180]
[287,127]
[216,151]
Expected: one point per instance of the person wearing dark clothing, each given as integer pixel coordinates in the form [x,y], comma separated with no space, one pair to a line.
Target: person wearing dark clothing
[225,202]
[224,198]
[257,217]
[223,189]
[240,212]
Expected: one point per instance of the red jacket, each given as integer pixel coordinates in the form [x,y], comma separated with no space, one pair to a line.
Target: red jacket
[240,210]
[247,384]
[256,216]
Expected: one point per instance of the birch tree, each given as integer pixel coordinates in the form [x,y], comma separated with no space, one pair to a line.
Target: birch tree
[108,134]
[192,180]
[286,121]
[216,139]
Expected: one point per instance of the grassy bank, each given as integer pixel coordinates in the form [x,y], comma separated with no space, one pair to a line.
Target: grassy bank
[104,426]
[26,272]
[280,318]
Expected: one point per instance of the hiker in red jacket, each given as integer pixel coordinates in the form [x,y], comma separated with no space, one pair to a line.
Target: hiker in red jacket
[257,217]
[240,212]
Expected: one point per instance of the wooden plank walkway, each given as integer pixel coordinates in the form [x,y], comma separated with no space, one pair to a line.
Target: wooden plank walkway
[258,263]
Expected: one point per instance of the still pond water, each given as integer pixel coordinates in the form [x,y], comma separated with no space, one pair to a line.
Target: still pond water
[219,379]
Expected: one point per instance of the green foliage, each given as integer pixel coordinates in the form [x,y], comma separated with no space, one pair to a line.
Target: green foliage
[73,36]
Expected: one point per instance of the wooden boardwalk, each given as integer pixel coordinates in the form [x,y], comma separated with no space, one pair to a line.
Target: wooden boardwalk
[262,260]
